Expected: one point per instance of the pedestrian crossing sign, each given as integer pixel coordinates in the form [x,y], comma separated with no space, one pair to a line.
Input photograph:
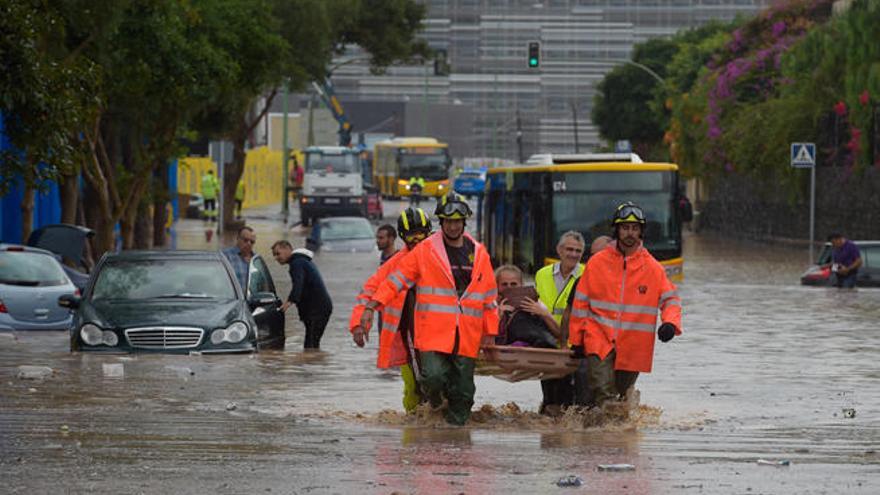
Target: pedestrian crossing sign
[803,155]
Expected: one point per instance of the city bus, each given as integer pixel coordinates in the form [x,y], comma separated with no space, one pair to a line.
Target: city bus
[396,160]
[527,208]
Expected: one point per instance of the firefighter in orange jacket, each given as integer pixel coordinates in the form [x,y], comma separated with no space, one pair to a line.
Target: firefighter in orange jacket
[614,314]
[396,328]
[455,307]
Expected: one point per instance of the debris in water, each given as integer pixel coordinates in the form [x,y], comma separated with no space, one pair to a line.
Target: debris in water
[181,370]
[113,370]
[849,412]
[232,406]
[570,480]
[26,372]
[765,462]
[616,467]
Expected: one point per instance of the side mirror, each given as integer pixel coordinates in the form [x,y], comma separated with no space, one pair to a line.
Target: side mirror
[260,299]
[69,301]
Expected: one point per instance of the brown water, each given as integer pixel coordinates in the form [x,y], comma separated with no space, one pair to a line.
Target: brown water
[764,370]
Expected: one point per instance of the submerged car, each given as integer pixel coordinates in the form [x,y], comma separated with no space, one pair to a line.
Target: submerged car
[869,272]
[31,280]
[177,302]
[343,234]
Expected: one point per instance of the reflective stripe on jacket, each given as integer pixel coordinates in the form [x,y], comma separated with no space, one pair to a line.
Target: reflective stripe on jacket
[615,307]
[442,319]
[392,352]
[546,287]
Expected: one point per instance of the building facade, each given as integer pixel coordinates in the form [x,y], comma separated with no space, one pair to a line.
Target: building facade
[486,47]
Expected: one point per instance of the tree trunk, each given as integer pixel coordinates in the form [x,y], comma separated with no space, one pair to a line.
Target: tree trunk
[160,217]
[143,227]
[231,175]
[68,190]
[27,211]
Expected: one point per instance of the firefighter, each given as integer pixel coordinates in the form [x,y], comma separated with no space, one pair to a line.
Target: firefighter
[396,320]
[455,307]
[614,314]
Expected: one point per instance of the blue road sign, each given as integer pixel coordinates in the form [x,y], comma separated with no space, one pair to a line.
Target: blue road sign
[803,155]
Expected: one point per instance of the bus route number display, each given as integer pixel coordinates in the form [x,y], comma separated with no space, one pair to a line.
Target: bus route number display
[558,186]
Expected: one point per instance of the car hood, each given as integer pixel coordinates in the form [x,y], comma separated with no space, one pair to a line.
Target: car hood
[349,246]
[203,313]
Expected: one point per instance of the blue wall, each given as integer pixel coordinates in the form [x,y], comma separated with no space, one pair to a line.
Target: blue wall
[47,204]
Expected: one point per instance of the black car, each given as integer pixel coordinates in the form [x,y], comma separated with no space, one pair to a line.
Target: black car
[175,302]
[869,272]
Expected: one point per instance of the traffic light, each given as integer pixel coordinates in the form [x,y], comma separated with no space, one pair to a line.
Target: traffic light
[534,54]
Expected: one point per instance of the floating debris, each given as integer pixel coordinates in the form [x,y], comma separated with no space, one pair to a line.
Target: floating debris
[849,412]
[616,467]
[570,480]
[27,372]
[765,462]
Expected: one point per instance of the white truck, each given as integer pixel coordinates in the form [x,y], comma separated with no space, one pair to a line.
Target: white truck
[332,183]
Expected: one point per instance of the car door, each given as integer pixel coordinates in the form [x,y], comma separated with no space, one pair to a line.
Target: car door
[265,305]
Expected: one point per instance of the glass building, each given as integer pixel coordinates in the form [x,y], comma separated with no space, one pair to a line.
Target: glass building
[486,46]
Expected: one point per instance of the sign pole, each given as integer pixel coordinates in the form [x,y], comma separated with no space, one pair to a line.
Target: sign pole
[812,211]
[803,155]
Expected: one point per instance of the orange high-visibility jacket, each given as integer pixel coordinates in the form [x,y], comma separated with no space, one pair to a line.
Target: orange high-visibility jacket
[391,347]
[440,314]
[615,307]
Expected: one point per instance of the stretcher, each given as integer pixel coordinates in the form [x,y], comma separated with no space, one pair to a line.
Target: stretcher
[515,364]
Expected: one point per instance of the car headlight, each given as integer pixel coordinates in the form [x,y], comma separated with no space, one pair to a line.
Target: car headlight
[91,334]
[233,334]
[109,338]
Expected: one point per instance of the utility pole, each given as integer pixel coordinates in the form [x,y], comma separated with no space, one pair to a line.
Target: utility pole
[495,119]
[285,153]
[425,103]
[519,137]
[577,147]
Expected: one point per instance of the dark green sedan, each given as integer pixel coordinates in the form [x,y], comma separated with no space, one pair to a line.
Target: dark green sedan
[175,302]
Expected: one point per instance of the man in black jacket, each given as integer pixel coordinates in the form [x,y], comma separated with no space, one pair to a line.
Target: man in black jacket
[307,292]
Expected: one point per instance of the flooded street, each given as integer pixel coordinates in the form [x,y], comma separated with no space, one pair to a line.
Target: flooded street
[765,369]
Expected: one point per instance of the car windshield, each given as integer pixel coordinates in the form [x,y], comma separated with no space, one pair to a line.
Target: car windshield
[340,164]
[157,279]
[336,229]
[30,269]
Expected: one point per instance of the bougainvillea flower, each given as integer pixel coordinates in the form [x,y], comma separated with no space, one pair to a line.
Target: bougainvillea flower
[865,97]
[840,108]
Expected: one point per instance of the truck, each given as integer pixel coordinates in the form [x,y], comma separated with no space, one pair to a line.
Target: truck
[333,183]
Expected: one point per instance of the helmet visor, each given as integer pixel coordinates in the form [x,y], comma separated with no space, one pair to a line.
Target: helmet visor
[629,214]
[415,237]
[455,209]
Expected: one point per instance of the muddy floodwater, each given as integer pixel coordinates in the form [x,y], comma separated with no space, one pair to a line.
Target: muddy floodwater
[766,370]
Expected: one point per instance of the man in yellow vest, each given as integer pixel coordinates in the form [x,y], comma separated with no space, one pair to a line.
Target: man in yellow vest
[210,188]
[554,284]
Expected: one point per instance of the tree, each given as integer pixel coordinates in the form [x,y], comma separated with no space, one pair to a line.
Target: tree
[44,100]
[307,33]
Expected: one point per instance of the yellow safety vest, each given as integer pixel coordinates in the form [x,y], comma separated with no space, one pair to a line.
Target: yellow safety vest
[547,293]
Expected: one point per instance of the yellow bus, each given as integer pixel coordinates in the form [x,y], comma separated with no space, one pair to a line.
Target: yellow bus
[396,160]
[527,208]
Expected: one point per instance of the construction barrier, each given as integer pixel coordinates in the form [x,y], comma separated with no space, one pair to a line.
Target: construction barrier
[262,176]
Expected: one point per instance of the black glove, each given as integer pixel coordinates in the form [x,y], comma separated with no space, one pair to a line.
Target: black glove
[666,332]
[577,352]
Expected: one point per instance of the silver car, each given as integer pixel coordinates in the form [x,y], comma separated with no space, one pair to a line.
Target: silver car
[31,281]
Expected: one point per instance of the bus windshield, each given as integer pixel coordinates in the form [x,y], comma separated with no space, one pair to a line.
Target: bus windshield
[345,163]
[586,201]
[429,163]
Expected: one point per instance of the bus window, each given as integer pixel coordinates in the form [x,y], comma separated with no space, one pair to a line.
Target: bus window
[427,163]
[588,201]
